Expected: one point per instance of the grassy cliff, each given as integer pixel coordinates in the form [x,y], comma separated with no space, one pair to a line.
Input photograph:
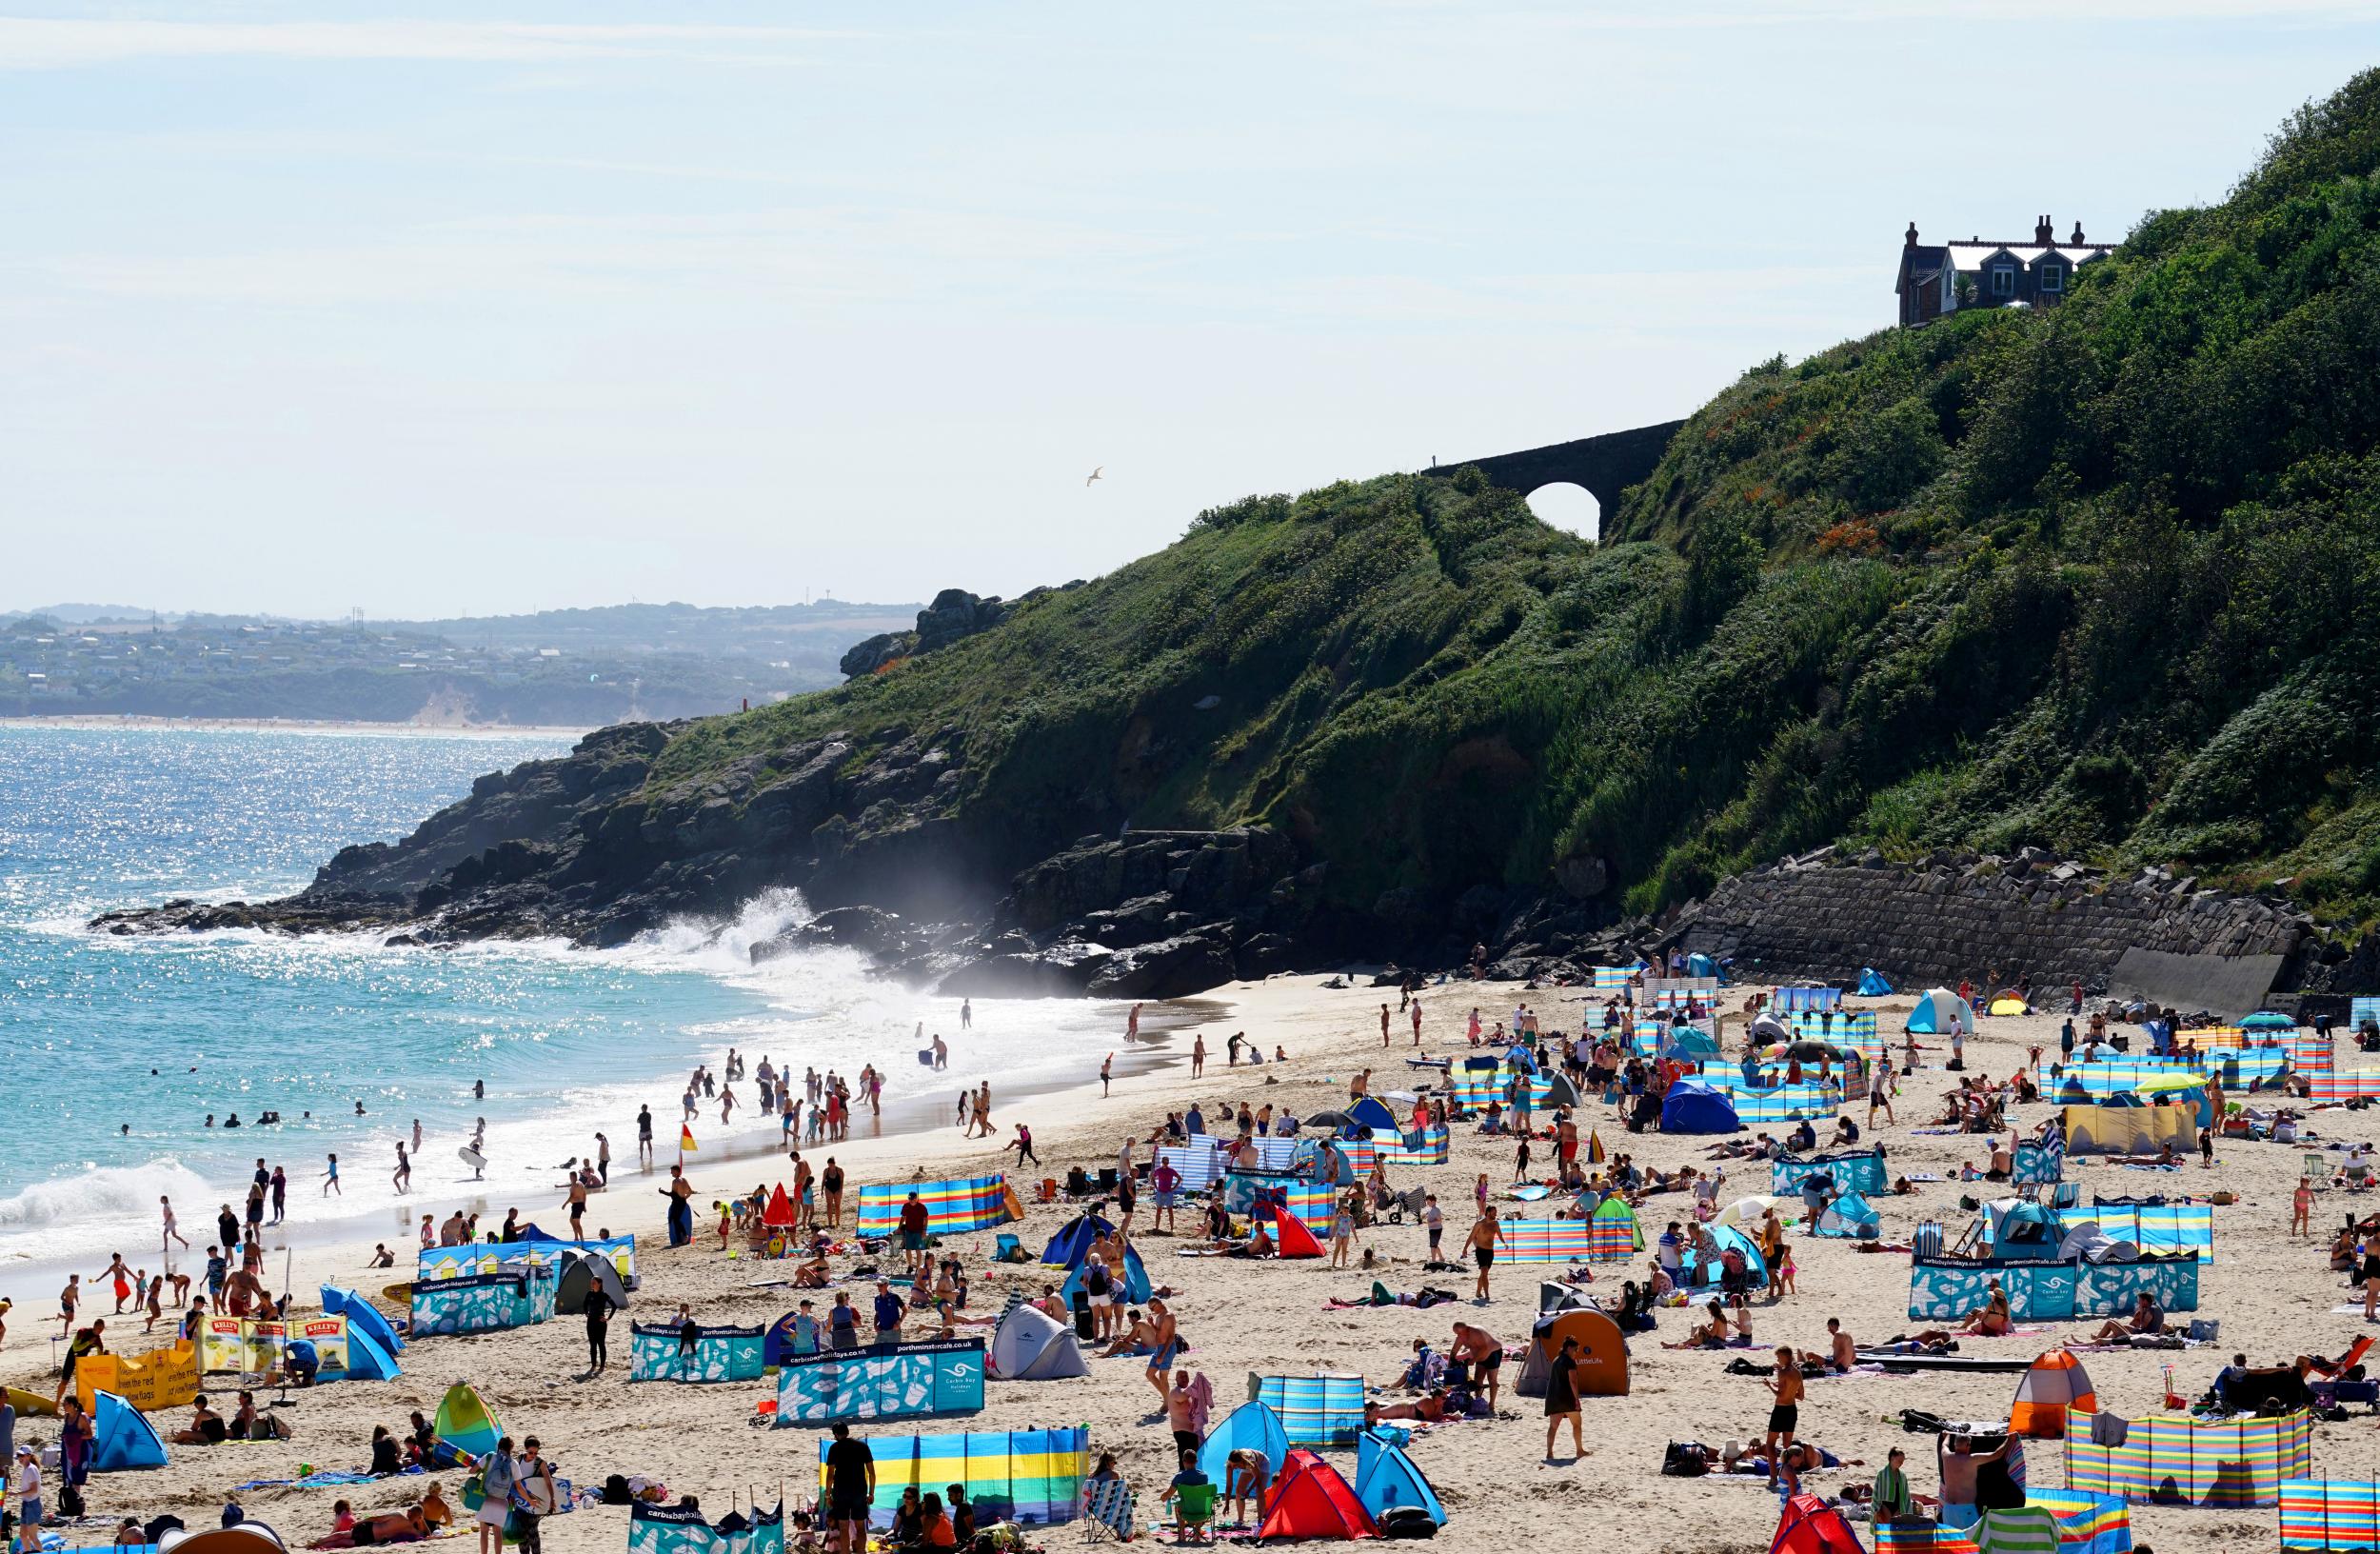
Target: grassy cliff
[2103,578]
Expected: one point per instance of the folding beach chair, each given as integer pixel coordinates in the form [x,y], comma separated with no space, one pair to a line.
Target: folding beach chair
[1928,1241]
[1107,1510]
[1194,1511]
[2315,1170]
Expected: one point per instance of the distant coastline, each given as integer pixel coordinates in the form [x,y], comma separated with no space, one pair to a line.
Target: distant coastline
[283,725]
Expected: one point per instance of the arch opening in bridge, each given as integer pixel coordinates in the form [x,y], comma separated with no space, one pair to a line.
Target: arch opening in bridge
[1567,506]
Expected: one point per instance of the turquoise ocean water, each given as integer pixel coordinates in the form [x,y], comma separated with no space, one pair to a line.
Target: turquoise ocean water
[565,1042]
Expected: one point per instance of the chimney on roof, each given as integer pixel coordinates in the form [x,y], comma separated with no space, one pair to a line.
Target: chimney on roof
[2044,233]
[1909,240]
[2077,238]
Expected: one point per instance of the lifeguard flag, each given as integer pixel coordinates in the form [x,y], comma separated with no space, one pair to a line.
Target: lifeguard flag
[685,1140]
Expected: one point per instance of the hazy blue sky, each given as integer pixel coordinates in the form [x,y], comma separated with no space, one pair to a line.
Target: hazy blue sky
[436,311]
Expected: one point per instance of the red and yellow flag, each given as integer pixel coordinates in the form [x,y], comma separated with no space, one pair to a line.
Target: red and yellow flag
[685,1140]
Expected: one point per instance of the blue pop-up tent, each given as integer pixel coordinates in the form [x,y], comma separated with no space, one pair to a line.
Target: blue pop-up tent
[1693,1106]
[363,1317]
[1369,1112]
[122,1438]
[1252,1426]
[1939,1012]
[1872,983]
[1385,1477]
[1067,1249]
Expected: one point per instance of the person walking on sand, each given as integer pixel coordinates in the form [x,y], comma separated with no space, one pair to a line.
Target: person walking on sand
[1198,1055]
[2302,1209]
[1485,1233]
[402,1177]
[1107,1072]
[1561,1401]
[645,1137]
[330,1180]
[1384,1025]
[1164,1342]
[1785,1413]
[497,1474]
[173,1231]
[967,1014]
[1415,1010]
[1022,1145]
[983,1108]
[1132,1025]
[603,1160]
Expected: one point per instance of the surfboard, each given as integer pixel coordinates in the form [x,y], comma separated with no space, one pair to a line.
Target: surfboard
[471,1157]
[30,1404]
[925,1057]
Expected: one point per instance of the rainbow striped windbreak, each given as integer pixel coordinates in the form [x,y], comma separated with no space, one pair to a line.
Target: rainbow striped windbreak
[2159,1229]
[1547,1241]
[2330,1514]
[975,1203]
[2086,1525]
[2175,1459]
[2346,1084]
[1030,1476]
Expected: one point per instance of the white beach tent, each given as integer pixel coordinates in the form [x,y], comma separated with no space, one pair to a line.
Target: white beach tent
[1031,1346]
[1941,1011]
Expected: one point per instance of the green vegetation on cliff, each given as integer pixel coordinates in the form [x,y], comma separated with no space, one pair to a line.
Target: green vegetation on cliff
[2103,578]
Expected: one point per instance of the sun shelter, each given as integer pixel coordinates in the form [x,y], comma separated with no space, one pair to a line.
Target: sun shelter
[363,1317]
[1386,1478]
[1291,1239]
[1612,1234]
[1938,1012]
[2173,1459]
[1252,1426]
[1320,1410]
[684,1529]
[2056,1384]
[1309,1500]
[667,1351]
[2329,1516]
[466,1424]
[367,1361]
[1872,983]
[249,1537]
[1850,1217]
[2130,1130]
[1371,1114]
[1031,1346]
[953,1208]
[2039,1162]
[1136,1286]
[1693,1106]
[1561,1093]
[1703,1271]
[582,1279]
[122,1438]
[938,1377]
[1033,1478]
[1602,1363]
[1067,1249]
[1808,1526]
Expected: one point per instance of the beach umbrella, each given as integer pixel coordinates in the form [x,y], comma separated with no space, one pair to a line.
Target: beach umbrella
[1330,1119]
[1746,1211]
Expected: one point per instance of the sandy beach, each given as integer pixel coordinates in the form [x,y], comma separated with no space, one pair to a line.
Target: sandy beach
[2274,1297]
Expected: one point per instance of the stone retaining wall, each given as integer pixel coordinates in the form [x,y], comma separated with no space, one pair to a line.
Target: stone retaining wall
[1986,919]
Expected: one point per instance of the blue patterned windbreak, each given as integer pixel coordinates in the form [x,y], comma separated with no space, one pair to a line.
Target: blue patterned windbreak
[893,1381]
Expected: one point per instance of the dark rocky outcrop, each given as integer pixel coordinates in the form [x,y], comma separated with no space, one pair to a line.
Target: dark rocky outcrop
[954,614]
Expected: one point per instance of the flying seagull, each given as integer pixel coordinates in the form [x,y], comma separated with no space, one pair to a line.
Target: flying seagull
[1093,475]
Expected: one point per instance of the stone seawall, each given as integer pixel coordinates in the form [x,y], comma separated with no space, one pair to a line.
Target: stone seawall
[1987,919]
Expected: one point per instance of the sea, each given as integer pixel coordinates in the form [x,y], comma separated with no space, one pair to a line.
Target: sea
[127,1058]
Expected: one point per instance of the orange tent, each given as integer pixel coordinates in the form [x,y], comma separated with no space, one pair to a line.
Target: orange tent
[1309,1500]
[2055,1384]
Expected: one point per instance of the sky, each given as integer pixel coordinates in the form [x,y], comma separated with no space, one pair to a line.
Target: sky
[437,310]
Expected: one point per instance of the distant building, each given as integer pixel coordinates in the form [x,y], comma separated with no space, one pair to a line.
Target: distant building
[1937,278]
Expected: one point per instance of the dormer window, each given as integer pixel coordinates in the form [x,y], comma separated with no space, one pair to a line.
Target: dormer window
[2003,280]
[2052,278]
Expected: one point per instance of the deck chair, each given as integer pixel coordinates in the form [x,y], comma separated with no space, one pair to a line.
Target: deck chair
[1107,1510]
[2066,1196]
[2315,1170]
[1194,1511]
[1928,1241]
[1008,1248]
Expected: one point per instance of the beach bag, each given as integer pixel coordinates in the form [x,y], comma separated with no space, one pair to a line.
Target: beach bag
[1407,1521]
[70,1499]
[1686,1460]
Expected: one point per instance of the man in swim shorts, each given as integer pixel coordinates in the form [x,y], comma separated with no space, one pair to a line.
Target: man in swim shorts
[1485,1232]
